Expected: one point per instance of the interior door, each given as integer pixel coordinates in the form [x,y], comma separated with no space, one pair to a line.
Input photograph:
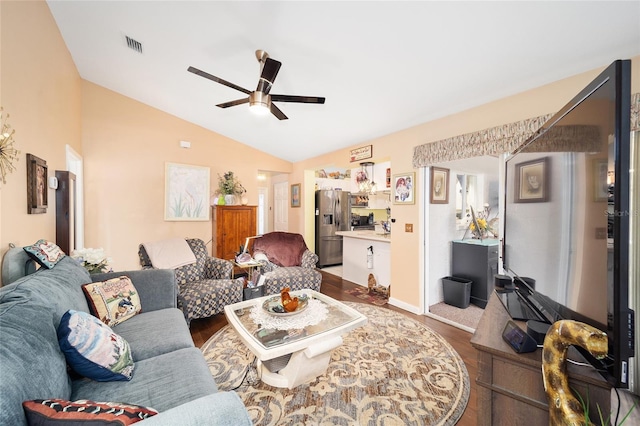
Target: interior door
[264,210]
[281,206]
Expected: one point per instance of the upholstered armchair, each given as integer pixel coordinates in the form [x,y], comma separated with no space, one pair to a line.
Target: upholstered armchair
[205,287]
[286,262]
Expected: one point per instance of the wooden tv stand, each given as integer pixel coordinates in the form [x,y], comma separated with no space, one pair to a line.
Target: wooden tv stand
[510,389]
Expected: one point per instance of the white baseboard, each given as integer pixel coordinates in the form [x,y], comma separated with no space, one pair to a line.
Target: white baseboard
[403,305]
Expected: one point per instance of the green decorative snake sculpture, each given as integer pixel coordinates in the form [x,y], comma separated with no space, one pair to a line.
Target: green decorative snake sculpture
[564,408]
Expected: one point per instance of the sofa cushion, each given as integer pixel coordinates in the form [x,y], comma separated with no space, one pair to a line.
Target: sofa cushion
[161,382]
[58,288]
[45,253]
[16,263]
[113,301]
[92,349]
[155,333]
[31,363]
[58,412]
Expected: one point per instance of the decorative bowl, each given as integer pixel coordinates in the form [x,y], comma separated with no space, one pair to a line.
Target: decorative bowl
[273,306]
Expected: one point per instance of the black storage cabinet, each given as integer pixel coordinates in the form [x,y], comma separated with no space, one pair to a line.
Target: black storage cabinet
[477,261]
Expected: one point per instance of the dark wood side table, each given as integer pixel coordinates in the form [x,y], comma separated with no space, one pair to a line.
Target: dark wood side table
[510,389]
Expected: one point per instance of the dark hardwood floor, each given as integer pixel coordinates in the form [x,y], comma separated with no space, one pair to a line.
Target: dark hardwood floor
[336,287]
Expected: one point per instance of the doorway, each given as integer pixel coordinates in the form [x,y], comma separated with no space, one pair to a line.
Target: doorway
[281,206]
[263,210]
[444,223]
[75,166]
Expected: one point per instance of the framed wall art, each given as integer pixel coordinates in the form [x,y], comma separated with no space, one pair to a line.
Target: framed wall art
[404,189]
[36,185]
[601,179]
[361,153]
[532,181]
[295,195]
[186,192]
[439,193]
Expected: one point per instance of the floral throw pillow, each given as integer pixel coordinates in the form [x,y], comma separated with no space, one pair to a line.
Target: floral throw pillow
[113,301]
[45,412]
[92,349]
[46,253]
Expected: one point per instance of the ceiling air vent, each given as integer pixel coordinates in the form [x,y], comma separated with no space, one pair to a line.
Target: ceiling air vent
[134,44]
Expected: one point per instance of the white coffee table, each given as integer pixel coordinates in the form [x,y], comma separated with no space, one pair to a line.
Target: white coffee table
[305,353]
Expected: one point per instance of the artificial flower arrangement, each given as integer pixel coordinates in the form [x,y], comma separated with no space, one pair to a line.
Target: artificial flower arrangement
[93,260]
[486,226]
[228,184]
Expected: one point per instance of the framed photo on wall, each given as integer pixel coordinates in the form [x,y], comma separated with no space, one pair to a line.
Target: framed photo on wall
[532,181]
[404,189]
[295,195]
[439,193]
[36,185]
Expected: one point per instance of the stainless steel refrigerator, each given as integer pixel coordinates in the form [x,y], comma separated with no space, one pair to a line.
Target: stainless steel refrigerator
[333,213]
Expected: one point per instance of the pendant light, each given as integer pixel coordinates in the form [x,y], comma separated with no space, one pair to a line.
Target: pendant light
[366,185]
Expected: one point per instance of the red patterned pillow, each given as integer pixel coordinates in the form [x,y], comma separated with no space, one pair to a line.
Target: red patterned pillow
[45,412]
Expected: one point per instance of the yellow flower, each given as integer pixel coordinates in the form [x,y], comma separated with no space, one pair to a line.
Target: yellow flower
[482,224]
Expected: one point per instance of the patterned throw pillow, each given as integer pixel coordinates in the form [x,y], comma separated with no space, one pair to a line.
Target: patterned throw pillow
[113,301]
[45,253]
[92,349]
[45,412]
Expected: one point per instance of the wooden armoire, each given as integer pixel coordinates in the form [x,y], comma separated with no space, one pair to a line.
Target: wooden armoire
[231,226]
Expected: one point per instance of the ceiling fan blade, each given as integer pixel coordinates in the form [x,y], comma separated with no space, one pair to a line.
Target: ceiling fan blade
[299,99]
[233,103]
[217,79]
[276,111]
[268,76]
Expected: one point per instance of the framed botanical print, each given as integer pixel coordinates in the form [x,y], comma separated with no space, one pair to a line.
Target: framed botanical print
[186,192]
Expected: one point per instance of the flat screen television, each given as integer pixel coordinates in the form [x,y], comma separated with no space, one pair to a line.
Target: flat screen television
[567,219]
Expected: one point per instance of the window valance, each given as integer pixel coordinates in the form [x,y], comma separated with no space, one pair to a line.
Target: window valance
[493,141]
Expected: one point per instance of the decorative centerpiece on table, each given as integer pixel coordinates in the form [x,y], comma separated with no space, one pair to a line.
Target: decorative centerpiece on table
[482,225]
[229,187]
[93,260]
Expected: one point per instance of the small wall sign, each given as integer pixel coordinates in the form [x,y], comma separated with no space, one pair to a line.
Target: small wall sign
[361,153]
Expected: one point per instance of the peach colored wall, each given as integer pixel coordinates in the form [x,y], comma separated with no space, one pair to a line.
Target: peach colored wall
[125,147]
[41,92]
[406,252]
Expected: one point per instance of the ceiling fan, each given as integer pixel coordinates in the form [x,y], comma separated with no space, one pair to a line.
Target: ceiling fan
[260,100]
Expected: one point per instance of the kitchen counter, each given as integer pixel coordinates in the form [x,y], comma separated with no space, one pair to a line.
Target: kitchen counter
[358,263]
[366,235]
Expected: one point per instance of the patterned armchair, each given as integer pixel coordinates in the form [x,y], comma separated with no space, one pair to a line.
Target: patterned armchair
[204,287]
[286,262]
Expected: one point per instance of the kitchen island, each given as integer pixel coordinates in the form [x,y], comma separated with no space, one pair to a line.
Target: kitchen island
[355,262]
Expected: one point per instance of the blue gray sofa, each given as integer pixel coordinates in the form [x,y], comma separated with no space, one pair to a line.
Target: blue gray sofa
[170,375]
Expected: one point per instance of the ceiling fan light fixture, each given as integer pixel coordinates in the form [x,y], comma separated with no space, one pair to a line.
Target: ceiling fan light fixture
[259,103]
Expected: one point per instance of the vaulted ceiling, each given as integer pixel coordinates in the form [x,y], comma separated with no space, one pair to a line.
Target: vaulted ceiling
[383,66]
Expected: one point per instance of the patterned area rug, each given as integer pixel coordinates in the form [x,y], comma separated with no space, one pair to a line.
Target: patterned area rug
[392,371]
[363,293]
